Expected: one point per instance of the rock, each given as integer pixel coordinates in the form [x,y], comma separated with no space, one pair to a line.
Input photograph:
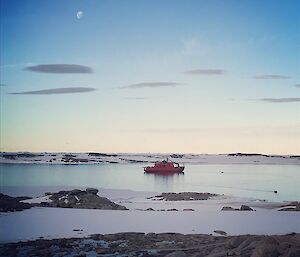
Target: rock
[188,209]
[11,204]
[172,209]
[234,242]
[228,208]
[158,244]
[176,155]
[92,190]
[176,254]
[184,196]
[220,232]
[82,200]
[149,209]
[218,254]
[246,208]
[22,198]
[294,252]
[75,192]
[62,192]
[102,155]
[275,191]
[48,193]
[265,250]
[44,204]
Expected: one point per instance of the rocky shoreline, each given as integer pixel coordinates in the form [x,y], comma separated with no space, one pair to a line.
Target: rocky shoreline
[78,199]
[162,244]
[183,196]
[113,158]
[89,199]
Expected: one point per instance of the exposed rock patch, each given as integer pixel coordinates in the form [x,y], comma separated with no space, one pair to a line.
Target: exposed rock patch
[76,198]
[242,208]
[102,155]
[183,196]
[11,204]
[80,199]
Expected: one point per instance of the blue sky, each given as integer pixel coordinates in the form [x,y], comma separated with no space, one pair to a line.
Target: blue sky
[166,76]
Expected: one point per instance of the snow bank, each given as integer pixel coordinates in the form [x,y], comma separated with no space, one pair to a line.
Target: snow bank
[99,158]
[58,223]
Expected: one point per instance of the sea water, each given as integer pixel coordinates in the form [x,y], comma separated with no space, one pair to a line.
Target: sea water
[255,181]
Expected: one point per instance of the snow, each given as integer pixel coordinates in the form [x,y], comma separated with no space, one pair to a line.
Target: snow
[206,217]
[58,223]
[58,158]
[39,199]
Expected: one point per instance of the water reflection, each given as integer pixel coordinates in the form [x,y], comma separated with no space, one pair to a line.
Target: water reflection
[257,181]
[167,182]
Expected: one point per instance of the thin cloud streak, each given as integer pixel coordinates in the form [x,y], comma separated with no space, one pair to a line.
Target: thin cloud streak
[294,128]
[135,98]
[152,85]
[205,72]
[297,85]
[281,100]
[15,65]
[271,76]
[55,91]
[60,68]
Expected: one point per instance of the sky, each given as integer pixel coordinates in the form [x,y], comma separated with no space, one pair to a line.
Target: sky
[170,76]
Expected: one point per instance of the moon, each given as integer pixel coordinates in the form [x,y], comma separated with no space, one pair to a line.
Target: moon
[79,15]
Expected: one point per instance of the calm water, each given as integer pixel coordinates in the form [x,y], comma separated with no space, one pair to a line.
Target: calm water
[257,181]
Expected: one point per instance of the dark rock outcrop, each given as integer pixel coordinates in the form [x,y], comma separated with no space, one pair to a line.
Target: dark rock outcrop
[176,155]
[11,204]
[159,245]
[93,191]
[183,196]
[246,208]
[80,199]
[242,208]
[76,198]
[102,155]
[228,208]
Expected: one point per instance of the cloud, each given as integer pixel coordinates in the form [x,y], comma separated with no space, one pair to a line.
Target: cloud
[205,72]
[281,100]
[271,76]
[135,98]
[15,65]
[55,91]
[297,85]
[223,131]
[2,85]
[60,68]
[152,85]
[196,46]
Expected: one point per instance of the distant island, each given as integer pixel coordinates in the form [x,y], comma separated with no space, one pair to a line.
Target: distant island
[123,158]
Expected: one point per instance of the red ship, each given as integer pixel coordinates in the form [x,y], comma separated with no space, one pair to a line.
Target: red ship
[165,167]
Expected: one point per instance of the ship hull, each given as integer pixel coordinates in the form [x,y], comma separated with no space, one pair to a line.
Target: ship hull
[164,170]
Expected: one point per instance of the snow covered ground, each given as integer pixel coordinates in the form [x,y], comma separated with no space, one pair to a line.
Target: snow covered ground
[98,158]
[205,218]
